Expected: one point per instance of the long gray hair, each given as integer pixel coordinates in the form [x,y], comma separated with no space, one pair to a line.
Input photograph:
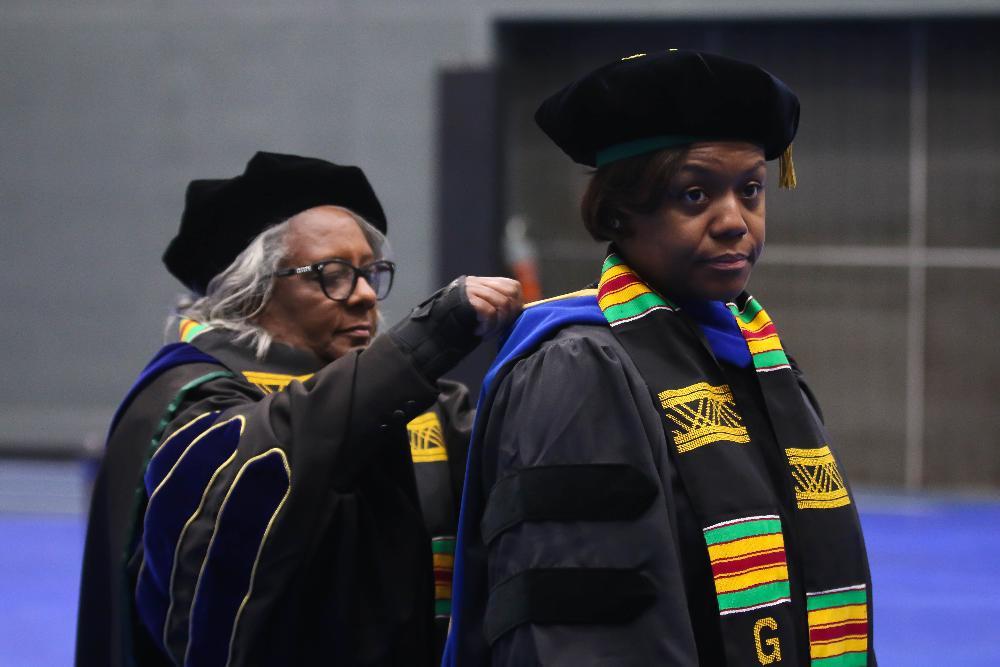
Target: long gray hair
[236,296]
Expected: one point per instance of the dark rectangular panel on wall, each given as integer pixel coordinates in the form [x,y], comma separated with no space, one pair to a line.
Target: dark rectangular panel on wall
[963,136]
[963,206]
[852,147]
[468,189]
[963,364]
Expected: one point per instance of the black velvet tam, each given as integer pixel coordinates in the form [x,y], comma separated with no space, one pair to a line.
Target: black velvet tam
[222,216]
[651,101]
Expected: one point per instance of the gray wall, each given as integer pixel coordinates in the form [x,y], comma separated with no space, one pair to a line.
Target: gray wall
[109,107]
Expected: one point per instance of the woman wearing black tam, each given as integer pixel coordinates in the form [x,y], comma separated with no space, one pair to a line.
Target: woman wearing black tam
[281,486]
[650,480]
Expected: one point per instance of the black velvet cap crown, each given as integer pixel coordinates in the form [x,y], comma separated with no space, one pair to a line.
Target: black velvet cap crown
[222,216]
[647,102]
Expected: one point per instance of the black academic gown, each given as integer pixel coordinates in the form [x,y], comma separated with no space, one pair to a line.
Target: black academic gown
[580,400]
[323,525]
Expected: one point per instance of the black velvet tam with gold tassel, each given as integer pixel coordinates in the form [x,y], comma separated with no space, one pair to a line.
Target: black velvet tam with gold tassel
[647,102]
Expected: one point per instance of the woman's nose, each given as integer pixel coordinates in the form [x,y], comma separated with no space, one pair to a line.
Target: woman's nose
[729,220]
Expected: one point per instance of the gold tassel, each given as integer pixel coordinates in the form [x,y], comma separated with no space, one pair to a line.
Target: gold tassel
[786,170]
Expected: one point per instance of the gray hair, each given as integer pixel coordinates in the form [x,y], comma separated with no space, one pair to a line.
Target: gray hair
[236,296]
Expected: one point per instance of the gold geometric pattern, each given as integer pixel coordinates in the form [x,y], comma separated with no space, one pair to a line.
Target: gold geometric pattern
[705,414]
[272,382]
[426,439]
[818,482]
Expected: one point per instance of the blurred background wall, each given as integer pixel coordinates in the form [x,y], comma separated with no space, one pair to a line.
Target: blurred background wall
[883,267]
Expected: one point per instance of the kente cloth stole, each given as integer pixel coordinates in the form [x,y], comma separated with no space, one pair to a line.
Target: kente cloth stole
[745,518]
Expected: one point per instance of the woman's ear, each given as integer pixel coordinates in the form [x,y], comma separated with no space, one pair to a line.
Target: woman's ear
[616,227]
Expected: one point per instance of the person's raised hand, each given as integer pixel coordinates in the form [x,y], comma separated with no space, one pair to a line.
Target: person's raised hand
[497,302]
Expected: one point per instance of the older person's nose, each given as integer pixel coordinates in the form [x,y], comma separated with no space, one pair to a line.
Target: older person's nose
[364,293]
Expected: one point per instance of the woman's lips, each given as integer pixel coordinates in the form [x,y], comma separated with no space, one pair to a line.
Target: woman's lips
[728,262]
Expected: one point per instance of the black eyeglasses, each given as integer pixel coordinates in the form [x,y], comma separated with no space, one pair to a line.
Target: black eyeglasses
[338,278]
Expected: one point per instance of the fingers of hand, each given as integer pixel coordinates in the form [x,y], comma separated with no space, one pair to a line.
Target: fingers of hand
[498,291]
[496,300]
[486,315]
[506,286]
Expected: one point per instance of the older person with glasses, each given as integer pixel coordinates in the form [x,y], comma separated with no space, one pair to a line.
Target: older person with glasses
[281,486]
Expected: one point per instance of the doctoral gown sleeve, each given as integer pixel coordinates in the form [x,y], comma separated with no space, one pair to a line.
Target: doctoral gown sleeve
[269,517]
[457,416]
[583,565]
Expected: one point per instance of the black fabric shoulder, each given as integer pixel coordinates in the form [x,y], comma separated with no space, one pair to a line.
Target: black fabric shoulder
[582,348]
[807,392]
[563,385]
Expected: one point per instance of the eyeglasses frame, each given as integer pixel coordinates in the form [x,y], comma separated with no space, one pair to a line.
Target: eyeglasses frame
[359,272]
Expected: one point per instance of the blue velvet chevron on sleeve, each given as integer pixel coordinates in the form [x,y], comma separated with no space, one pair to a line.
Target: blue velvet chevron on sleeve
[253,500]
[199,451]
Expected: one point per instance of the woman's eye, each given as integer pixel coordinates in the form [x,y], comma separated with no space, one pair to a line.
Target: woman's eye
[751,190]
[694,195]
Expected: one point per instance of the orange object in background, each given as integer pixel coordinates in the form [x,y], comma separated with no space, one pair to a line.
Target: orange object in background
[527,274]
[519,255]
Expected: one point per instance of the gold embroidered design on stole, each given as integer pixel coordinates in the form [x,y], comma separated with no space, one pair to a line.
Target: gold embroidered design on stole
[818,482]
[705,414]
[272,382]
[426,439]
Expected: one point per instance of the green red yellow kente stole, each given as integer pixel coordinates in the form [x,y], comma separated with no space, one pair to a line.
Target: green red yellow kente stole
[765,606]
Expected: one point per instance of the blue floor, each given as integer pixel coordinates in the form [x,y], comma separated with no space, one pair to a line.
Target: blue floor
[936,580]
[935,566]
[39,575]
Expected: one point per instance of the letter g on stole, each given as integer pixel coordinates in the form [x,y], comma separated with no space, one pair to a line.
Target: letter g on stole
[772,643]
